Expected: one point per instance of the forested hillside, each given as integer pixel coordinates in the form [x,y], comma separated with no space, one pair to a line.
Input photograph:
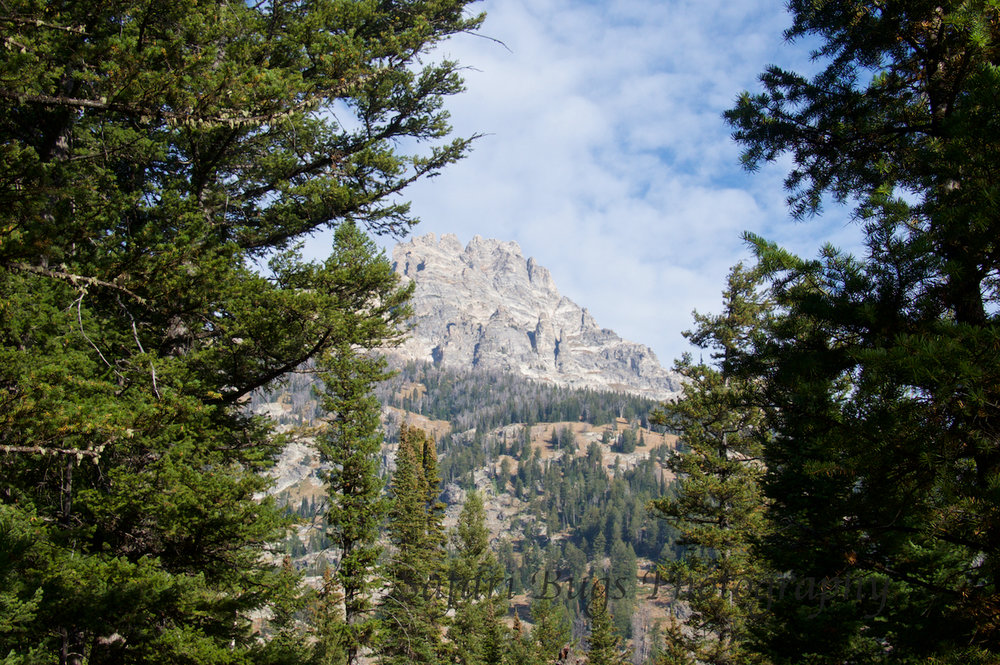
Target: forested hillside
[565,476]
[488,399]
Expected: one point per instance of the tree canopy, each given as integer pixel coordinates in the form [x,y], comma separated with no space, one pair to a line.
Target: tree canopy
[161,162]
[879,372]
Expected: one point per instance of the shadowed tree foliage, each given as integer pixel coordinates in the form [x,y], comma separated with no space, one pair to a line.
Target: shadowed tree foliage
[880,372]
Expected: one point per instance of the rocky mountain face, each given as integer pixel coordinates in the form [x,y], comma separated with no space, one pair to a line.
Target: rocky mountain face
[485,306]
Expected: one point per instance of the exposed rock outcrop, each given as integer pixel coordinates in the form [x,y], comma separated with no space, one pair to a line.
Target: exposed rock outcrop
[486,306]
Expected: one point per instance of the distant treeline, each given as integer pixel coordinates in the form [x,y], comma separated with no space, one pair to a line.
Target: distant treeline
[485,400]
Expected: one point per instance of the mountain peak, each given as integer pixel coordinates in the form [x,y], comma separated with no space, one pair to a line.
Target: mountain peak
[485,306]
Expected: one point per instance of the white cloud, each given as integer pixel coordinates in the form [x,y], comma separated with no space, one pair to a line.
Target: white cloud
[606,156]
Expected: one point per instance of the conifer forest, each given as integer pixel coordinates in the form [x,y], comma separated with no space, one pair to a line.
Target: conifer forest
[209,454]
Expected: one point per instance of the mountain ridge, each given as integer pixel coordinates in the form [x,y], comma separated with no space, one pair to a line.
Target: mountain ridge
[485,306]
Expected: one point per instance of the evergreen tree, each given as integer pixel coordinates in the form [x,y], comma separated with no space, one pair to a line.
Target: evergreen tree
[623,577]
[880,372]
[603,645]
[476,583]
[413,609]
[160,163]
[551,631]
[521,650]
[430,488]
[627,441]
[600,548]
[285,643]
[20,595]
[352,440]
[675,646]
[497,640]
[717,506]
[329,623]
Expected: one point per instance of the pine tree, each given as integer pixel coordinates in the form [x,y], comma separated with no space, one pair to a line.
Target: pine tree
[600,548]
[430,488]
[675,645]
[551,631]
[161,162]
[285,644]
[521,650]
[497,638]
[476,583]
[603,645]
[328,623]
[717,506]
[623,578]
[20,595]
[413,609]
[352,440]
[881,369]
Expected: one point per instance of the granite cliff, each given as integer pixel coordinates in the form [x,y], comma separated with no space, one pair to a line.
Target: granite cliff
[485,306]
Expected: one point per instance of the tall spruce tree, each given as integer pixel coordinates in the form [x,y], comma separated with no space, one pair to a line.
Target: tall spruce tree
[373,310]
[882,371]
[476,587]
[413,609]
[717,505]
[161,161]
[604,646]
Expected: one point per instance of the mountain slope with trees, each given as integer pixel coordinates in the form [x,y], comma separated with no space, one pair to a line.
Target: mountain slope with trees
[840,454]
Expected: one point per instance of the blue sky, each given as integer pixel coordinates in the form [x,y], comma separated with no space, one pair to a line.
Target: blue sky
[605,155]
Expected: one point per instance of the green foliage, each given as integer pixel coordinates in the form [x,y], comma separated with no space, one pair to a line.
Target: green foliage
[551,631]
[285,643]
[880,373]
[20,593]
[476,590]
[603,645]
[565,440]
[329,624]
[487,400]
[352,441]
[413,609]
[161,161]
[623,574]
[717,505]
[627,441]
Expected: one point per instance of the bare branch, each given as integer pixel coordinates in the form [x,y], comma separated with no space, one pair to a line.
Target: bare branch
[78,29]
[94,453]
[79,318]
[135,335]
[76,279]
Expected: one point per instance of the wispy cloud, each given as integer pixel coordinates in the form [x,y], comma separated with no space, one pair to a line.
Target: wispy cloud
[606,156]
